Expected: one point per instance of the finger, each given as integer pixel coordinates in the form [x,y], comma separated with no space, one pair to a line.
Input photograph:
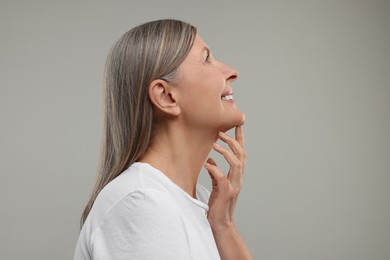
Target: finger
[236,166]
[230,157]
[233,144]
[215,173]
[211,161]
[239,135]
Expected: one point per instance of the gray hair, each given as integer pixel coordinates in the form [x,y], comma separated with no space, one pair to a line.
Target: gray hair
[150,51]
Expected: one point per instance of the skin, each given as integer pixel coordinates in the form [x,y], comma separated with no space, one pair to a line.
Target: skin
[190,118]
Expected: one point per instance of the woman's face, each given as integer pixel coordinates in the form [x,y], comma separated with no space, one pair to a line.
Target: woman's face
[204,90]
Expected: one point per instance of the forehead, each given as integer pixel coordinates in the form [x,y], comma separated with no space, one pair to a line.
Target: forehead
[199,44]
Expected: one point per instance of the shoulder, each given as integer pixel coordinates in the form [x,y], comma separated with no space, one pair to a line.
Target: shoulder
[145,199]
[148,222]
[136,187]
[143,208]
[137,179]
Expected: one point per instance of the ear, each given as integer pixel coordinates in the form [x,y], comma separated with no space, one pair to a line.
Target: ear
[163,98]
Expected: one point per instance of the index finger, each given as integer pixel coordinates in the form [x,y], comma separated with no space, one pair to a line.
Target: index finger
[239,136]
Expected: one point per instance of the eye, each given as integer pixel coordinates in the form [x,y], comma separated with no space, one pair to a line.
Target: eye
[208,56]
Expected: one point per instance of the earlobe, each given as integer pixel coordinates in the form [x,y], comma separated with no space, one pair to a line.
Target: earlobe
[161,96]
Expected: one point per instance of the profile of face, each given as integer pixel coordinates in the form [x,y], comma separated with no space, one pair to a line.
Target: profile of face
[203,91]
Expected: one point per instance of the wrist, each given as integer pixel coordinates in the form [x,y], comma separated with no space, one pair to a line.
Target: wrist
[222,227]
[229,242]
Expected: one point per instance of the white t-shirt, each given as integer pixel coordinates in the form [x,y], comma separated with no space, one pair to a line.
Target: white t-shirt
[142,214]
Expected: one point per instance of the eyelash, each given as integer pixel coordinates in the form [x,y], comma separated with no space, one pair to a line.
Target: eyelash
[208,56]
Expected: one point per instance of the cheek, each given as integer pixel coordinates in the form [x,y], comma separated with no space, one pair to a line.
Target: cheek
[212,86]
[202,92]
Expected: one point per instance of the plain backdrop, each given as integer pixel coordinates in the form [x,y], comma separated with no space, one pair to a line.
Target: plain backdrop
[314,85]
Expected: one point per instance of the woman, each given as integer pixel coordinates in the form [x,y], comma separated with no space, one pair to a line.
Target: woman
[167,102]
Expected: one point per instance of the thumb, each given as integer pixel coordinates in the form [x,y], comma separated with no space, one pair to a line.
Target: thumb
[215,173]
[211,161]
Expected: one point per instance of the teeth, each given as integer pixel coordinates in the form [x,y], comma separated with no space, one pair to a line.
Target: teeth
[227,97]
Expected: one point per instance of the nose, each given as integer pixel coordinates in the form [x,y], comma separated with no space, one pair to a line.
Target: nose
[230,73]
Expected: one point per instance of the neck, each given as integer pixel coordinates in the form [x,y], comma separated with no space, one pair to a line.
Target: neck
[180,154]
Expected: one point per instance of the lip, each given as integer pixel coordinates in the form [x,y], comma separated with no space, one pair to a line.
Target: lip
[229,102]
[226,92]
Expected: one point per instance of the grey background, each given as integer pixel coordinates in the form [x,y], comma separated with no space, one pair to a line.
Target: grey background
[314,84]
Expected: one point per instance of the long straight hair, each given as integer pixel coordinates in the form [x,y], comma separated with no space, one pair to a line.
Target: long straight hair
[150,51]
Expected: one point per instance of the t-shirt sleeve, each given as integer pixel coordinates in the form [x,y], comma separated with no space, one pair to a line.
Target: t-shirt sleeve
[144,225]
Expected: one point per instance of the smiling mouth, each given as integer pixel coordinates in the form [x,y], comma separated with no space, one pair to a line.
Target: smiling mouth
[227,97]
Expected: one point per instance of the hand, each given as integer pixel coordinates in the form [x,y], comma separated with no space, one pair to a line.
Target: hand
[225,189]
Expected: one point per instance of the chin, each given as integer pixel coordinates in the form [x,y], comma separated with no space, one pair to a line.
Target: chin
[237,120]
